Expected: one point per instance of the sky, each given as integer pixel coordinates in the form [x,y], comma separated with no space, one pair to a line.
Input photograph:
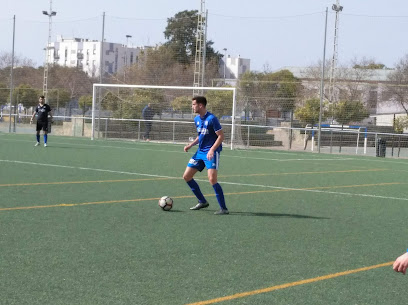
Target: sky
[272,34]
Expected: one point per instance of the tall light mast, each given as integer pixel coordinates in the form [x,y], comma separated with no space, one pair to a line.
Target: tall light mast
[337,8]
[50,14]
[199,61]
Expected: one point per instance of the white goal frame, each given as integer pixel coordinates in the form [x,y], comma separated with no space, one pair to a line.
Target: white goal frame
[233,89]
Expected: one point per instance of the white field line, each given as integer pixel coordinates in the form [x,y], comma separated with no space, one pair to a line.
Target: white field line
[223,182]
[314,156]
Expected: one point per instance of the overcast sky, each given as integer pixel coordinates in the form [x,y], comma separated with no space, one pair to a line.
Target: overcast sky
[271,34]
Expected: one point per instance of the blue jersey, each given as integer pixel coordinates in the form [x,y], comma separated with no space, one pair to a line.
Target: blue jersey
[206,128]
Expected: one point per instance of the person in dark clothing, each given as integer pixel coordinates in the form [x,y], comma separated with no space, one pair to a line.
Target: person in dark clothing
[147,114]
[42,111]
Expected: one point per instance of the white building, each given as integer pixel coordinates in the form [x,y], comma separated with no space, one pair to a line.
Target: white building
[233,67]
[86,54]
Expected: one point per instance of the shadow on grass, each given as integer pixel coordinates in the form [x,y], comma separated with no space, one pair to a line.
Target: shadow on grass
[275,215]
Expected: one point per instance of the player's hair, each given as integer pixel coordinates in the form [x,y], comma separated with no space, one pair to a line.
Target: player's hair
[200,100]
[42,96]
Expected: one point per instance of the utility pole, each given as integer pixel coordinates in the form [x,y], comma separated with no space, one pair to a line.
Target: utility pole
[50,14]
[337,8]
[200,47]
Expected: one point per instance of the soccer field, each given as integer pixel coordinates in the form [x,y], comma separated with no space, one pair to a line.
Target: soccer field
[80,224]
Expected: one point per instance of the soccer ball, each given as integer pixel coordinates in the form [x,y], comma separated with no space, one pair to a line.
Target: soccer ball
[166,203]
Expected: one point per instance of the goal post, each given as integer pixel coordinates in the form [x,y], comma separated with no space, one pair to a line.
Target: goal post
[116,104]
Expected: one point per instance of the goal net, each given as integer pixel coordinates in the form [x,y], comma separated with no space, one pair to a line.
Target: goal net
[117,112]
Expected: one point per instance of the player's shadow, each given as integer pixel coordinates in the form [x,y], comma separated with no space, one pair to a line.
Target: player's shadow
[65,146]
[275,215]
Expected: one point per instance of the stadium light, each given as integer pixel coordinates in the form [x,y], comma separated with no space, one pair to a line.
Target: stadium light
[48,14]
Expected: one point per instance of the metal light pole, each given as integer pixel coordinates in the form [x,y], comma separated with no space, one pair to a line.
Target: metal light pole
[225,62]
[11,75]
[337,8]
[127,43]
[126,57]
[50,14]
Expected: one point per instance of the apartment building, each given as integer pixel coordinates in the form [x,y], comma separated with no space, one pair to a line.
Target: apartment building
[86,55]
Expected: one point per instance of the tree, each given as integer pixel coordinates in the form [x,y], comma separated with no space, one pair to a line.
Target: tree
[84,102]
[345,112]
[181,103]
[26,95]
[74,80]
[181,33]
[4,94]
[220,102]
[398,90]
[310,112]
[400,124]
[158,67]
[351,81]
[270,91]
[19,61]
[128,104]
[58,98]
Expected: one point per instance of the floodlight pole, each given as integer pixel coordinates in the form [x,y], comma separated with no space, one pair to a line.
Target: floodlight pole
[322,84]
[337,8]
[126,57]
[50,14]
[11,76]
[225,62]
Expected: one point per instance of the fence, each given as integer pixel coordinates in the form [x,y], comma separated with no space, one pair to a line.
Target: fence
[345,142]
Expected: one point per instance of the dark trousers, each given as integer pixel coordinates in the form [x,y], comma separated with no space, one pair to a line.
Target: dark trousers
[148,127]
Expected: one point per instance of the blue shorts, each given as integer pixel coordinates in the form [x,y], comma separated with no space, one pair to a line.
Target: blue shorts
[199,160]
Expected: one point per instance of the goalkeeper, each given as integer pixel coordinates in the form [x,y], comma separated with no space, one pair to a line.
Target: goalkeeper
[42,111]
[209,140]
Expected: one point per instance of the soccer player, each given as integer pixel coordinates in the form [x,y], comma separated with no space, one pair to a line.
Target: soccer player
[42,110]
[209,140]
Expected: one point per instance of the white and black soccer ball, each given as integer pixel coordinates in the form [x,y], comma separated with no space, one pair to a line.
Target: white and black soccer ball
[166,203]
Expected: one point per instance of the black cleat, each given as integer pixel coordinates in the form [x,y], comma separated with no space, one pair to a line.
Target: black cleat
[200,205]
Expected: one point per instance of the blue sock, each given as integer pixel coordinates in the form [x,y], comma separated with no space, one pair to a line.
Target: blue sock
[196,190]
[220,196]
[45,138]
[38,138]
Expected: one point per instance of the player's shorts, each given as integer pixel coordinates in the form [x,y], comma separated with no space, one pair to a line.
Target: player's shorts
[199,161]
[42,125]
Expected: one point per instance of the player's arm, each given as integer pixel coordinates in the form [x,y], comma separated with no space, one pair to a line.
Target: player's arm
[32,117]
[401,263]
[50,114]
[217,143]
[188,146]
